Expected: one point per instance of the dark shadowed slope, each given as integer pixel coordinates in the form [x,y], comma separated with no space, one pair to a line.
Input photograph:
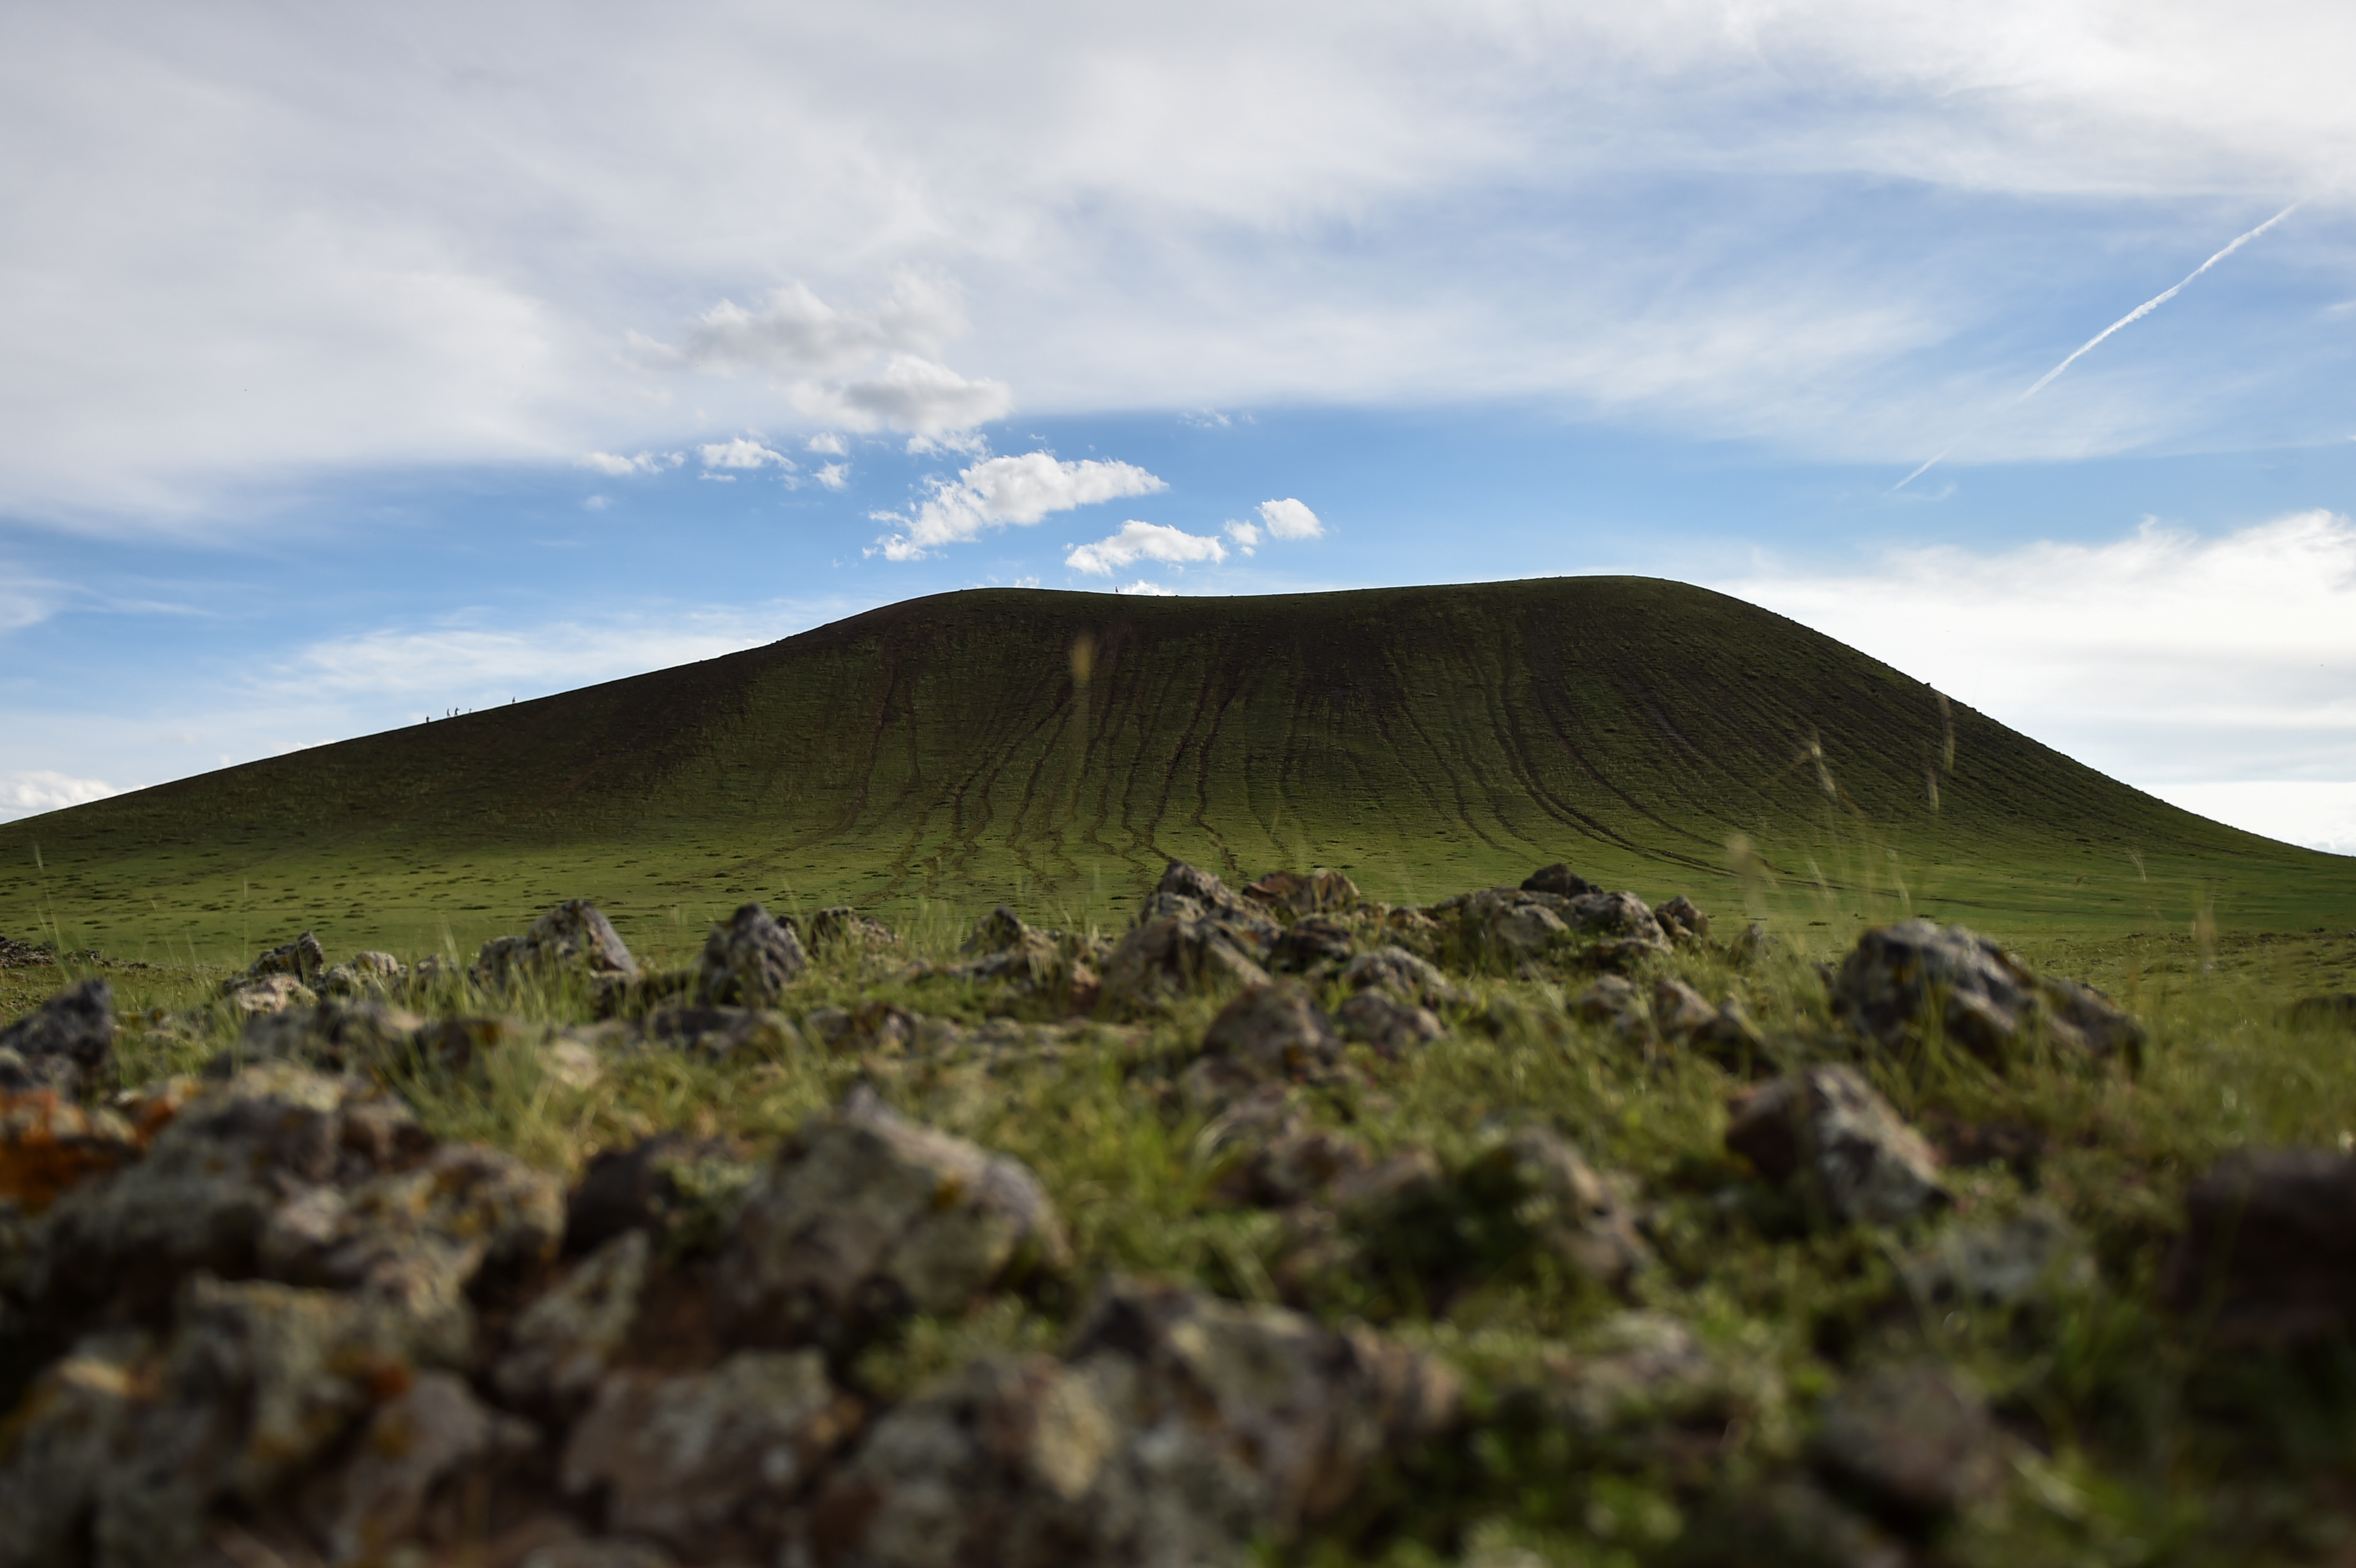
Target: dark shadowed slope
[1056,748]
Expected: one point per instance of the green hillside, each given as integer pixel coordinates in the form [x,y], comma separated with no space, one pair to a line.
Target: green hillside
[1053,749]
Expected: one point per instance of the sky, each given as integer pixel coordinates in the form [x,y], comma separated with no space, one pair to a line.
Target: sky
[361,365]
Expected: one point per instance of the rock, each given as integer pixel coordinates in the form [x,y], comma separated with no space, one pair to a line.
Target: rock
[1828,1128]
[1681,921]
[368,973]
[422,1440]
[252,995]
[705,1461]
[841,924]
[2034,1254]
[62,1442]
[1188,894]
[1634,1369]
[1755,945]
[749,960]
[559,1347]
[66,1044]
[1919,1438]
[16,955]
[48,1147]
[1171,956]
[1533,1181]
[574,936]
[1296,895]
[867,1216]
[1273,1158]
[1522,930]
[2335,1011]
[718,1033]
[258,1381]
[2268,1250]
[1049,964]
[679,1191]
[1915,975]
[1558,879]
[1402,975]
[416,1239]
[1620,915]
[333,1037]
[1392,1026]
[1275,1030]
[1615,1001]
[597,1555]
[302,958]
[1679,1011]
[1179,1429]
[1308,945]
[212,1181]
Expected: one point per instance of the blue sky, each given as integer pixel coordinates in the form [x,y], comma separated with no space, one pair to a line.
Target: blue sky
[355,368]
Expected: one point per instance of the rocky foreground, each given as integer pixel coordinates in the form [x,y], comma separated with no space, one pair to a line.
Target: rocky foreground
[260,1313]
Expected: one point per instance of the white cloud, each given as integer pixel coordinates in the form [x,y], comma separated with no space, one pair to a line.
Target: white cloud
[616,464]
[833,476]
[798,334]
[827,443]
[1144,541]
[912,394]
[742,452]
[1289,519]
[24,793]
[997,491]
[1246,534]
[2162,658]
[597,503]
[1142,589]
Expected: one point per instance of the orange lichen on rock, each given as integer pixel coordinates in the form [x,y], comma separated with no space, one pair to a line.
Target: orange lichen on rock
[49,1146]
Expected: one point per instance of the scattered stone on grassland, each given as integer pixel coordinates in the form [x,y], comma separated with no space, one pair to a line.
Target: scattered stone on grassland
[1178,1429]
[1903,979]
[573,938]
[1825,1128]
[1190,893]
[303,958]
[1312,945]
[1755,945]
[1403,975]
[1622,915]
[2336,1011]
[1055,965]
[1681,920]
[2034,1254]
[718,1033]
[1276,1029]
[1395,1027]
[1639,1367]
[66,1044]
[1517,925]
[1612,1000]
[1272,1157]
[1918,1437]
[682,1192]
[1558,879]
[332,1036]
[866,1216]
[1533,1179]
[49,1145]
[1684,1017]
[1679,1011]
[1298,894]
[749,960]
[704,1462]
[16,954]
[840,925]
[2268,1250]
[1173,956]
[368,974]
[63,1443]
[249,995]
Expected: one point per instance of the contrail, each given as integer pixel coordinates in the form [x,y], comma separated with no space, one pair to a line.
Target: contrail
[2134,315]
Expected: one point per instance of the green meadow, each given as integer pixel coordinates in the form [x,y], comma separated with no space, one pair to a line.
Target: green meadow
[1052,750]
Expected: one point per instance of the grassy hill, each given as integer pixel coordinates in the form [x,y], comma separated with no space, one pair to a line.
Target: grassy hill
[1052,749]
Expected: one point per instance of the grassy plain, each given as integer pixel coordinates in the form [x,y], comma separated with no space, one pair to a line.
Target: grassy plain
[1052,749]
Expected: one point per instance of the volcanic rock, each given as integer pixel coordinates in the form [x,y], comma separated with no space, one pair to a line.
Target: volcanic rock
[66,1044]
[1901,979]
[1827,1129]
